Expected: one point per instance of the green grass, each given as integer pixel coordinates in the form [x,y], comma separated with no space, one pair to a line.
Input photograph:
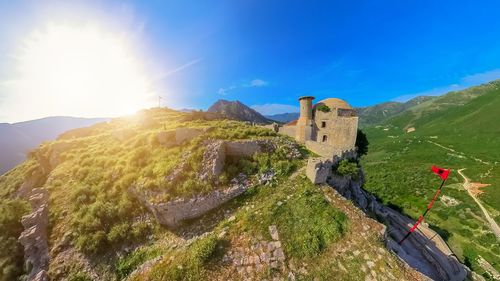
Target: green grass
[306,222]
[92,169]
[190,264]
[398,168]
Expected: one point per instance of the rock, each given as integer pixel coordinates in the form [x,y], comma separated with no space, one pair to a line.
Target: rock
[34,236]
[214,158]
[273,231]
[278,253]
[266,177]
[222,234]
[231,218]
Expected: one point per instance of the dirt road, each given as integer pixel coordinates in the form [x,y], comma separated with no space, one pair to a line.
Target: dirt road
[491,221]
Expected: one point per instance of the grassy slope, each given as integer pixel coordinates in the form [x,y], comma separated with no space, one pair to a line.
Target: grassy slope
[397,165]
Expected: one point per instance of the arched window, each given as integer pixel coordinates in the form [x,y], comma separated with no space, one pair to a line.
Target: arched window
[325,138]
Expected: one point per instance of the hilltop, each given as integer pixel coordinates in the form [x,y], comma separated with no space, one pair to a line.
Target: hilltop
[18,138]
[107,203]
[235,110]
[458,130]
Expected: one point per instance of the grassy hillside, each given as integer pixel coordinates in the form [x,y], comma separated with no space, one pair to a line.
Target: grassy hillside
[99,231]
[458,130]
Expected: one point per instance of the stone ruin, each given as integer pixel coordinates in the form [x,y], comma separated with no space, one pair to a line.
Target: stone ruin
[34,236]
[173,212]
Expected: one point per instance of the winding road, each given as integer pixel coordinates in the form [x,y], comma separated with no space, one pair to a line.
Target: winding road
[492,222]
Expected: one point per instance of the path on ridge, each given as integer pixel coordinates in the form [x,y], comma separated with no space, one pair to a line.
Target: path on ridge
[492,222]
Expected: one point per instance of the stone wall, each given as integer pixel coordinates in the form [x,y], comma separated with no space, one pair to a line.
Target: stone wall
[318,169]
[247,148]
[425,250]
[344,132]
[172,213]
[288,131]
[340,131]
[186,134]
[34,236]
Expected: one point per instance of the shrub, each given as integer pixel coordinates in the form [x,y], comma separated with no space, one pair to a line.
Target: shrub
[347,168]
[11,255]
[323,108]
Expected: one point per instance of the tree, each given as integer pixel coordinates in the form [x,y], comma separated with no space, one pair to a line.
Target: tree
[362,143]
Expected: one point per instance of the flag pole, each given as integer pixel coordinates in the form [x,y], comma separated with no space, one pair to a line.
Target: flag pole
[421,218]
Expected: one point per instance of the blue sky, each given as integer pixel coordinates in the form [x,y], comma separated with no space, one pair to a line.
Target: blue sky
[268,53]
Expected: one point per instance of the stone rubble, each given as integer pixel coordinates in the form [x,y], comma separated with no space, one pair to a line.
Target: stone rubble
[34,236]
[262,254]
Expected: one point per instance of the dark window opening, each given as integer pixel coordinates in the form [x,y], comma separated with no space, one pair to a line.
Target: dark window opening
[323,124]
[325,138]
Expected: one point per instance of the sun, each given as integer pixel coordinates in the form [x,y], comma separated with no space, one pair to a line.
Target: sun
[80,71]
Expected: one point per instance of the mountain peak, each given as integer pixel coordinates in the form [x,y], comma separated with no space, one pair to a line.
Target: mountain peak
[237,111]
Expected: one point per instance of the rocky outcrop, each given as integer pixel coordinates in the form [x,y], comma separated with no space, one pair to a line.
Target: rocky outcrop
[34,236]
[173,212]
[425,250]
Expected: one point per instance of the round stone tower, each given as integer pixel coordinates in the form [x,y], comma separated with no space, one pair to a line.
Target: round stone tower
[304,127]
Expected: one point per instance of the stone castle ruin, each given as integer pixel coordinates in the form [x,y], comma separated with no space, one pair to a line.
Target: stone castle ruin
[328,128]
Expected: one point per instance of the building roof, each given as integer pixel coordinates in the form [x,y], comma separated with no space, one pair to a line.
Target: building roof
[292,123]
[334,103]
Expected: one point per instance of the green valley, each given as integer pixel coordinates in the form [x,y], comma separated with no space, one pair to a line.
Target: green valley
[459,130]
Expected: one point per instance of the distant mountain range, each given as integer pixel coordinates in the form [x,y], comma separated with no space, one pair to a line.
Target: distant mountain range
[283,117]
[238,111]
[19,138]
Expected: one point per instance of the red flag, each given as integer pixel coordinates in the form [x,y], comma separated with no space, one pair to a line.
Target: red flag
[441,172]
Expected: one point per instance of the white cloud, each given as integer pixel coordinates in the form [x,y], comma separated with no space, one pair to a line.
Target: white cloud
[465,82]
[274,108]
[258,83]
[252,84]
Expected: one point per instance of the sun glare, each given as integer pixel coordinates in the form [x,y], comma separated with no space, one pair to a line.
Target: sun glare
[79,71]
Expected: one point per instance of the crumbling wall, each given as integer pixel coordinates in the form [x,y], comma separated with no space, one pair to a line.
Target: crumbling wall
[34,236]
[214,158]
[173,212]
[425,250]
